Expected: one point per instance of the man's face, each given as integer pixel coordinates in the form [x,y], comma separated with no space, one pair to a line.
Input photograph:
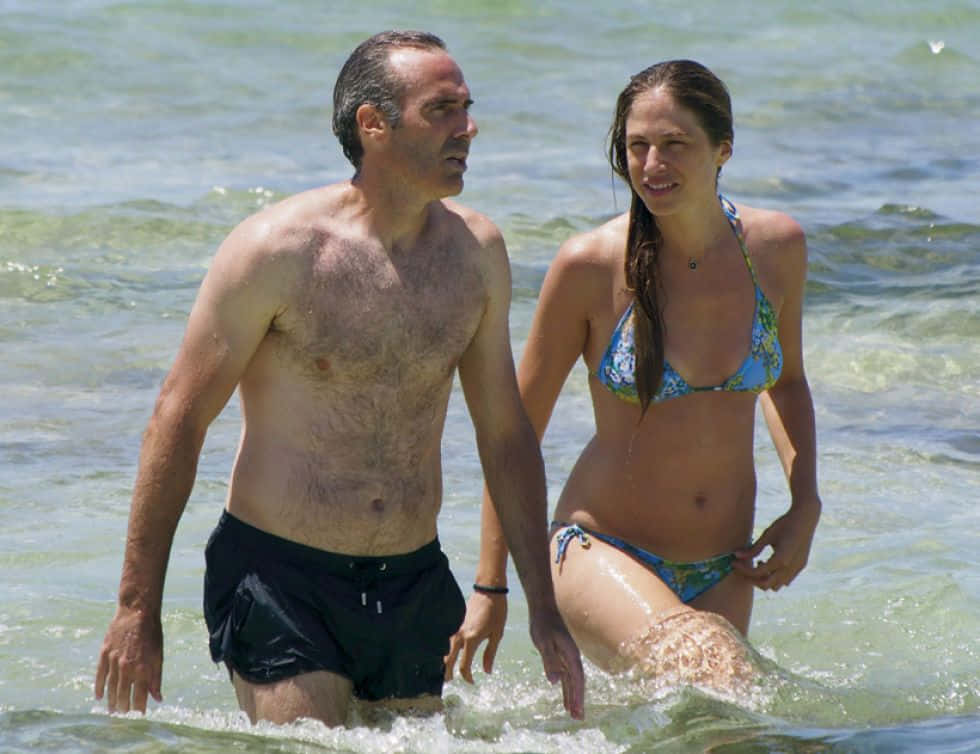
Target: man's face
[431,142]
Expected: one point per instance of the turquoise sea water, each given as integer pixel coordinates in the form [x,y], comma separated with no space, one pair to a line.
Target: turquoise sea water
[134,135]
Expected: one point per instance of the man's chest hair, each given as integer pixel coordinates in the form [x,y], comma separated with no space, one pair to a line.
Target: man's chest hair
[371,313]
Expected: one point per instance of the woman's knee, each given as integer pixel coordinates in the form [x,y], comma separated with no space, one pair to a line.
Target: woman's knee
[688,646]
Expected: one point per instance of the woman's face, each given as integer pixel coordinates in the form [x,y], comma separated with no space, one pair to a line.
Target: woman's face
[670,157]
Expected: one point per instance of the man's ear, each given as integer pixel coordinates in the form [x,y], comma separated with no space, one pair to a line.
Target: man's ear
[725,153]
[372,125]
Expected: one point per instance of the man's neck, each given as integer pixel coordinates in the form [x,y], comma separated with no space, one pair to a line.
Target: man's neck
[397,216]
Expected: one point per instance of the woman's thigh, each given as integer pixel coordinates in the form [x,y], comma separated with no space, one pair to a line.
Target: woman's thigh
[730,598]
[622,616]
[606,597]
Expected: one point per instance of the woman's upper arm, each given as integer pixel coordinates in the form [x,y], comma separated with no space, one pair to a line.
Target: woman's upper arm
[790,261]
[559,329]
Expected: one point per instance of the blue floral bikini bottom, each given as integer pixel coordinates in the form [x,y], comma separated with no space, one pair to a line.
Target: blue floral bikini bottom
[687,580]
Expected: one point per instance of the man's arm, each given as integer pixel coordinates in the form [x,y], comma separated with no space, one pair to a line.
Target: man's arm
[234,307]
[788,410]
[514,472]
[556,340]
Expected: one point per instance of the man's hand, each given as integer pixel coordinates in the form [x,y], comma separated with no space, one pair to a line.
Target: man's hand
[561,659]
[131,661]
[790,537]
[486,615]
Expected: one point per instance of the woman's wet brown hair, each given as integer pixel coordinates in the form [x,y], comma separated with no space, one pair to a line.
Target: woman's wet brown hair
[696,88]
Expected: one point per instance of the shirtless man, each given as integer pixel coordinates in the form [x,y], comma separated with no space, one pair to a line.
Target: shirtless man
[341,315]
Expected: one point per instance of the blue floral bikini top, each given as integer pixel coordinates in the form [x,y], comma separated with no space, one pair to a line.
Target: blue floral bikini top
[759,371]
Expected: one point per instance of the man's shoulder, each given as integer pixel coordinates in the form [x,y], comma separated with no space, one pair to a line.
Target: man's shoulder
[481,227]
[291,227]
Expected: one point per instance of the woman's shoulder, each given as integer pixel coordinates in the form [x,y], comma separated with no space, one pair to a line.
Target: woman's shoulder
[770,227]
[604,244]
[587,263]
[777,244]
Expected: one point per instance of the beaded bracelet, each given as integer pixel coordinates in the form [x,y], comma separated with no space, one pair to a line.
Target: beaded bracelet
[490,589]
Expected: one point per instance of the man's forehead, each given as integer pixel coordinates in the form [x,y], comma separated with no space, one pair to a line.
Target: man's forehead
[427,68]
[413,56]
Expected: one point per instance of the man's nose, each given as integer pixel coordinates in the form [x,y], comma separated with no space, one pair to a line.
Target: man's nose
[470,130]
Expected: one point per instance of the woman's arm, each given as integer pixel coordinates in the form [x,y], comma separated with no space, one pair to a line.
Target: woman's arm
[788,410]
[556,339]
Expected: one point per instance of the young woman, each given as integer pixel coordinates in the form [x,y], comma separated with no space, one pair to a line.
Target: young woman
[687,311]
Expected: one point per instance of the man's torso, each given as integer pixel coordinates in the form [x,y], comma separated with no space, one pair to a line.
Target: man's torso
[345,399]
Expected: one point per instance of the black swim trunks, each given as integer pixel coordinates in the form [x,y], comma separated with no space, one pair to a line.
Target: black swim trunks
[276,608]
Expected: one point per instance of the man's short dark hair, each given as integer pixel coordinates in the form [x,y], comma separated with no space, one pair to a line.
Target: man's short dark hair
[366,78]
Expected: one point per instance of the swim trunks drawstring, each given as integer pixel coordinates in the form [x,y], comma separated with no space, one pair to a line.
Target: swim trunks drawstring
[367,579]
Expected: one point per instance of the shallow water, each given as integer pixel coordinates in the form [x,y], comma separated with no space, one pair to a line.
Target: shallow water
[136,134]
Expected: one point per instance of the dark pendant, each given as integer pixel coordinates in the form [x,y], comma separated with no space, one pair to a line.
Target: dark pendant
[692,263]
